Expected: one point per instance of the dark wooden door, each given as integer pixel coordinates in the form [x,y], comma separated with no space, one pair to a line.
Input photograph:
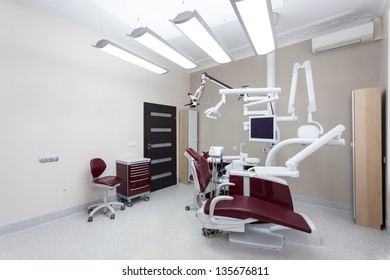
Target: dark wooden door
[160,144]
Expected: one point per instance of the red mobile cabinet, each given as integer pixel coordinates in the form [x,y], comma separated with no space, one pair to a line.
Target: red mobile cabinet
[135,175]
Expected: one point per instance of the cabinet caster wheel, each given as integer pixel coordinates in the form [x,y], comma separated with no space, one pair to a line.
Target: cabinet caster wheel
[90,219]
[187,208]
[129,204]
[112,216]
[146,198]
[123,208]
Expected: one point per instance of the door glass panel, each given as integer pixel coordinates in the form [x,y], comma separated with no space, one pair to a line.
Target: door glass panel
[161,160]
[162,175]
[161,115]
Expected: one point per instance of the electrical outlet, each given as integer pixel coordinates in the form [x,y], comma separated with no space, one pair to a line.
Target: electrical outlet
[132,144]
[48,159]
[234,148]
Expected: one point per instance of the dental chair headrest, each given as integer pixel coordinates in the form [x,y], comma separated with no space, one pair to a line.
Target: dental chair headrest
[193,154]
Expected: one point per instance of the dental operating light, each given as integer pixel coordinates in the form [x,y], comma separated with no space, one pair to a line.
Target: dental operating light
[120,52]
[195,28]
[256,19]
[154,42]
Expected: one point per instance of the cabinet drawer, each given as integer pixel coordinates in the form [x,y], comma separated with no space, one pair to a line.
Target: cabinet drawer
[139,166]
[137,184]
[139,170]
[140,190]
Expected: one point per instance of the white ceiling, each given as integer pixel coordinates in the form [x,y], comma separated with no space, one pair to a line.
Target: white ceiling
[299,20]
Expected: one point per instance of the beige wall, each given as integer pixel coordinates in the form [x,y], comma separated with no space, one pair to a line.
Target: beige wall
[61,97]
[327,174]
[385,82]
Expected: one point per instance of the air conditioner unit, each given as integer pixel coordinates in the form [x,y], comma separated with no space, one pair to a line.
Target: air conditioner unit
[353,36]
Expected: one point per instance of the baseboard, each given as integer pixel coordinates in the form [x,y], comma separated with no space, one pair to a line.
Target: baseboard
[23,225]
[345,207]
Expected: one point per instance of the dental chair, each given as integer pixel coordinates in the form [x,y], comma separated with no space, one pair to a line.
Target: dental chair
[106,183]
[202,179]
[264,218]
[259,210]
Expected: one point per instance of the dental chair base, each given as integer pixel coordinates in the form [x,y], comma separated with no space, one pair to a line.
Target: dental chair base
[273,236]
[238,215]
[258,236]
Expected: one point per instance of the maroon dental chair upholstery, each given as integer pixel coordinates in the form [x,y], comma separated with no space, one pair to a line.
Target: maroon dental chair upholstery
[106,183]
[202,179]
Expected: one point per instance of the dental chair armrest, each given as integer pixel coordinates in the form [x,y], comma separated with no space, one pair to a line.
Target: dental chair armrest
[212,206]
[222,185]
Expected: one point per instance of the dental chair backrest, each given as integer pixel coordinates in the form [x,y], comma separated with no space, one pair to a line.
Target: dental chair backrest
[193,154]
[202,175]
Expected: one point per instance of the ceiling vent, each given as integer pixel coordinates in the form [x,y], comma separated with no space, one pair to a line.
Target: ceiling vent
[353,36]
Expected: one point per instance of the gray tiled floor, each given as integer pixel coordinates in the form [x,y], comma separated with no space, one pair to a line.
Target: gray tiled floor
[162,229]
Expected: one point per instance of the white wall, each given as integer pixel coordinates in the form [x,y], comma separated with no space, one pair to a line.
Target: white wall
[61,97]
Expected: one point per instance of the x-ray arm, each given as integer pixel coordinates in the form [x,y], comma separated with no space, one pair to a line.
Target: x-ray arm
[310,87]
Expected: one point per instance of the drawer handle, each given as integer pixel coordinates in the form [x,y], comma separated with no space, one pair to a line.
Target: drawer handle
[134,189]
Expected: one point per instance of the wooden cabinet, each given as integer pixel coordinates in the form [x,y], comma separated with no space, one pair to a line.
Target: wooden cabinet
[367,157]
[188,138]
[135,176]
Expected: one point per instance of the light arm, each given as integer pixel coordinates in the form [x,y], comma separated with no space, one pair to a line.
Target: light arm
[333,134]
[213,112]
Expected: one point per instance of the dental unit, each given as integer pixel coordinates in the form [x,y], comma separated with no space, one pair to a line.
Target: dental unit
[254,204]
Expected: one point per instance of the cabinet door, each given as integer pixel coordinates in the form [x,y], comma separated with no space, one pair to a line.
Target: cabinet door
[188,138]
[368,157]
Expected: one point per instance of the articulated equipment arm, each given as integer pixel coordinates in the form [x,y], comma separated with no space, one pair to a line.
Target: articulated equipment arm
[194,99]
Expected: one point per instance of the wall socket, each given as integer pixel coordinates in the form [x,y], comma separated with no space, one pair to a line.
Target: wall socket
[48,159]
[132,144]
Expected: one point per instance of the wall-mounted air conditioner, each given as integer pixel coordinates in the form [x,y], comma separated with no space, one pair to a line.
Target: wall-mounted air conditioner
[353,36]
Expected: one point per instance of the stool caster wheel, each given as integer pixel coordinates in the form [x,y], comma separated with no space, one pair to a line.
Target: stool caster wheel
[187,208]
[90,219]
[123,208]
[112,216]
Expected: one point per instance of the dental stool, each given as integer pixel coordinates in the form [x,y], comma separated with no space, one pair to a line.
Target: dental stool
[106,183]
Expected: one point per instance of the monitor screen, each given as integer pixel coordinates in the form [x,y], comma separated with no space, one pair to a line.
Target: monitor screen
[262,128]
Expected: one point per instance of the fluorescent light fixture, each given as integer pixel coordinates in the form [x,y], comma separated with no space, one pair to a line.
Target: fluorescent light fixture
[154,42]
[195,28]
[256,18]
[120,52]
